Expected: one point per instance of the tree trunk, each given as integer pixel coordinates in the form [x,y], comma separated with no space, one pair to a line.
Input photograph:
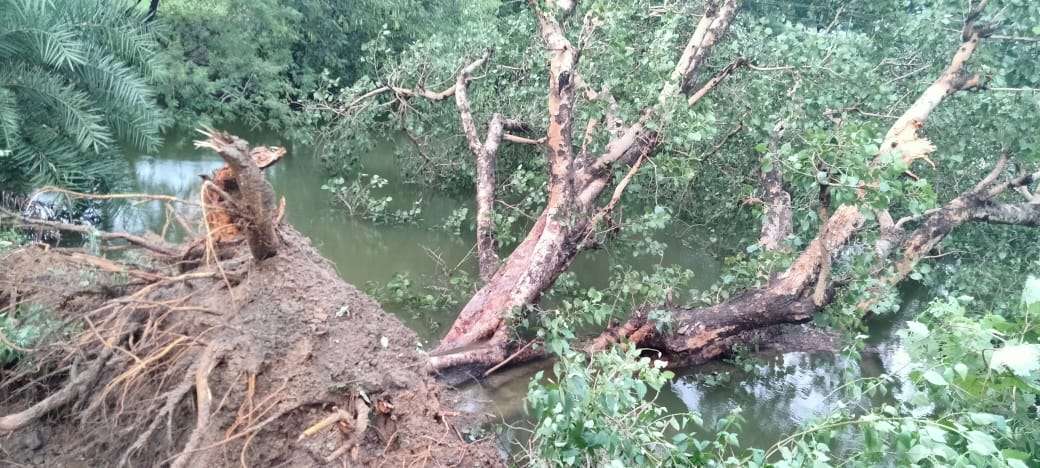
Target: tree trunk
[698,335]
[480,334]
[247,198]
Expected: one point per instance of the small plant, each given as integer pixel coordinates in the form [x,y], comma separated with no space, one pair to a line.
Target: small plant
[357,196]
[22,329]
[455,221]
[359,199]
[428,297]
[409,216]
[714,379]
[10,239]
[742,358]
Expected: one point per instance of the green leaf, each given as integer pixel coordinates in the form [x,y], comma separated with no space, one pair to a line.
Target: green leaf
[1031,292]
[917,328]
[961,370]
[981,443]
[919,452]
[934,378]
[1020,359]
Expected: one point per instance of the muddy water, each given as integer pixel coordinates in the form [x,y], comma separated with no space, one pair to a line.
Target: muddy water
[776,393]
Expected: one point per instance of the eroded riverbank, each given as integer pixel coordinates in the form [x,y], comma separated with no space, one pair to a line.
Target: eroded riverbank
[777,392]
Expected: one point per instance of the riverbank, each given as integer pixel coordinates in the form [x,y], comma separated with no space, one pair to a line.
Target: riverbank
[217,366]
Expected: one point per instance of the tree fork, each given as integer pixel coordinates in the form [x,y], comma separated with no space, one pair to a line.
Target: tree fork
[804,288]
[569,219]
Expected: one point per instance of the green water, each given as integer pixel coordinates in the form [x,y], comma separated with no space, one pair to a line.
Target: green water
[776,393]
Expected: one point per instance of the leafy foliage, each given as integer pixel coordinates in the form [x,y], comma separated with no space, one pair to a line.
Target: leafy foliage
[73,86]
[252,61]
[599,411]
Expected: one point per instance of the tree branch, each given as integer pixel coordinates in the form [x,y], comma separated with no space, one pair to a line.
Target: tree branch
[562,68]
[777,223]
[903,135]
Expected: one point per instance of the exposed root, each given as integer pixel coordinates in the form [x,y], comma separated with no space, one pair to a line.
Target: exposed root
[78,383]
[360,426]
[339,415]
[203,400]
[171,400]
[268,318]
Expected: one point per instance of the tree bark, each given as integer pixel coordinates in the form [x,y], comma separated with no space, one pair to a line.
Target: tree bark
[698,335]
[480,334]
[702,334]
[254,200]
[485,153]
[777,221]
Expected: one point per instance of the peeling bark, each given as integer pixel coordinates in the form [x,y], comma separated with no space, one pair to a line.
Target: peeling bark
[485,153]
[777,221]
[903,135]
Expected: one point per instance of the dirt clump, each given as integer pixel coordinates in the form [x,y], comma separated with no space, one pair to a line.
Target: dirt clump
[253,363]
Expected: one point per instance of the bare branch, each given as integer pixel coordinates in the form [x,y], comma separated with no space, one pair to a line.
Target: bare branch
[19,219]
[715,80]
[777,224]
[903,135]
[998,169]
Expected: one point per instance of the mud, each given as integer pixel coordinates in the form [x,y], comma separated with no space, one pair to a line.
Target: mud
[289,343]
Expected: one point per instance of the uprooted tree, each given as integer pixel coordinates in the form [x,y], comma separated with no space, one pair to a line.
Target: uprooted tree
[199,354]
[797,293]
[595,143]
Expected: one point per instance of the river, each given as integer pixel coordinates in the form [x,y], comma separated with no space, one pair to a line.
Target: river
[776,393]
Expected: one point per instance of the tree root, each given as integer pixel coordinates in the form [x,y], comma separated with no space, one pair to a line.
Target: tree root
[76,386]
[170,402]
[360,426]
[203,399]
[21,220]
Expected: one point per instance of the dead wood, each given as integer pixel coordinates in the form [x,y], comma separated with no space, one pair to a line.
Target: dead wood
[247,197]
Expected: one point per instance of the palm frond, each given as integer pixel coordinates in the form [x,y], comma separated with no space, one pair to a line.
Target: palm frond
[9,119]
[74,80]
[34,34]
[76,114]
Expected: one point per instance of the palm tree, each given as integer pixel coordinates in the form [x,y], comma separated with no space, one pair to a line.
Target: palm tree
[74,87]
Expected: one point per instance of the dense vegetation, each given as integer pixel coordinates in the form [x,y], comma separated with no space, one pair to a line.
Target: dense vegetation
[253,62]
[807,96]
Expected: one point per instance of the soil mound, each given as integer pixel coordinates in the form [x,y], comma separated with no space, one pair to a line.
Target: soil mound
[275,362]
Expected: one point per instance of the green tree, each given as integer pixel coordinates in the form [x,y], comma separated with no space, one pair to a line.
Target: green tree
[849,205]
[250,62]
[74,86]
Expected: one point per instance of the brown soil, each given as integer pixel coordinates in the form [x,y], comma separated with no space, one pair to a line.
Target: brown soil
[286,346]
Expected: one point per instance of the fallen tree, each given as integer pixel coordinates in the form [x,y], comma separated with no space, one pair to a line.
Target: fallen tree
[263,358]
[573,215]
[590,168]
[795,295]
